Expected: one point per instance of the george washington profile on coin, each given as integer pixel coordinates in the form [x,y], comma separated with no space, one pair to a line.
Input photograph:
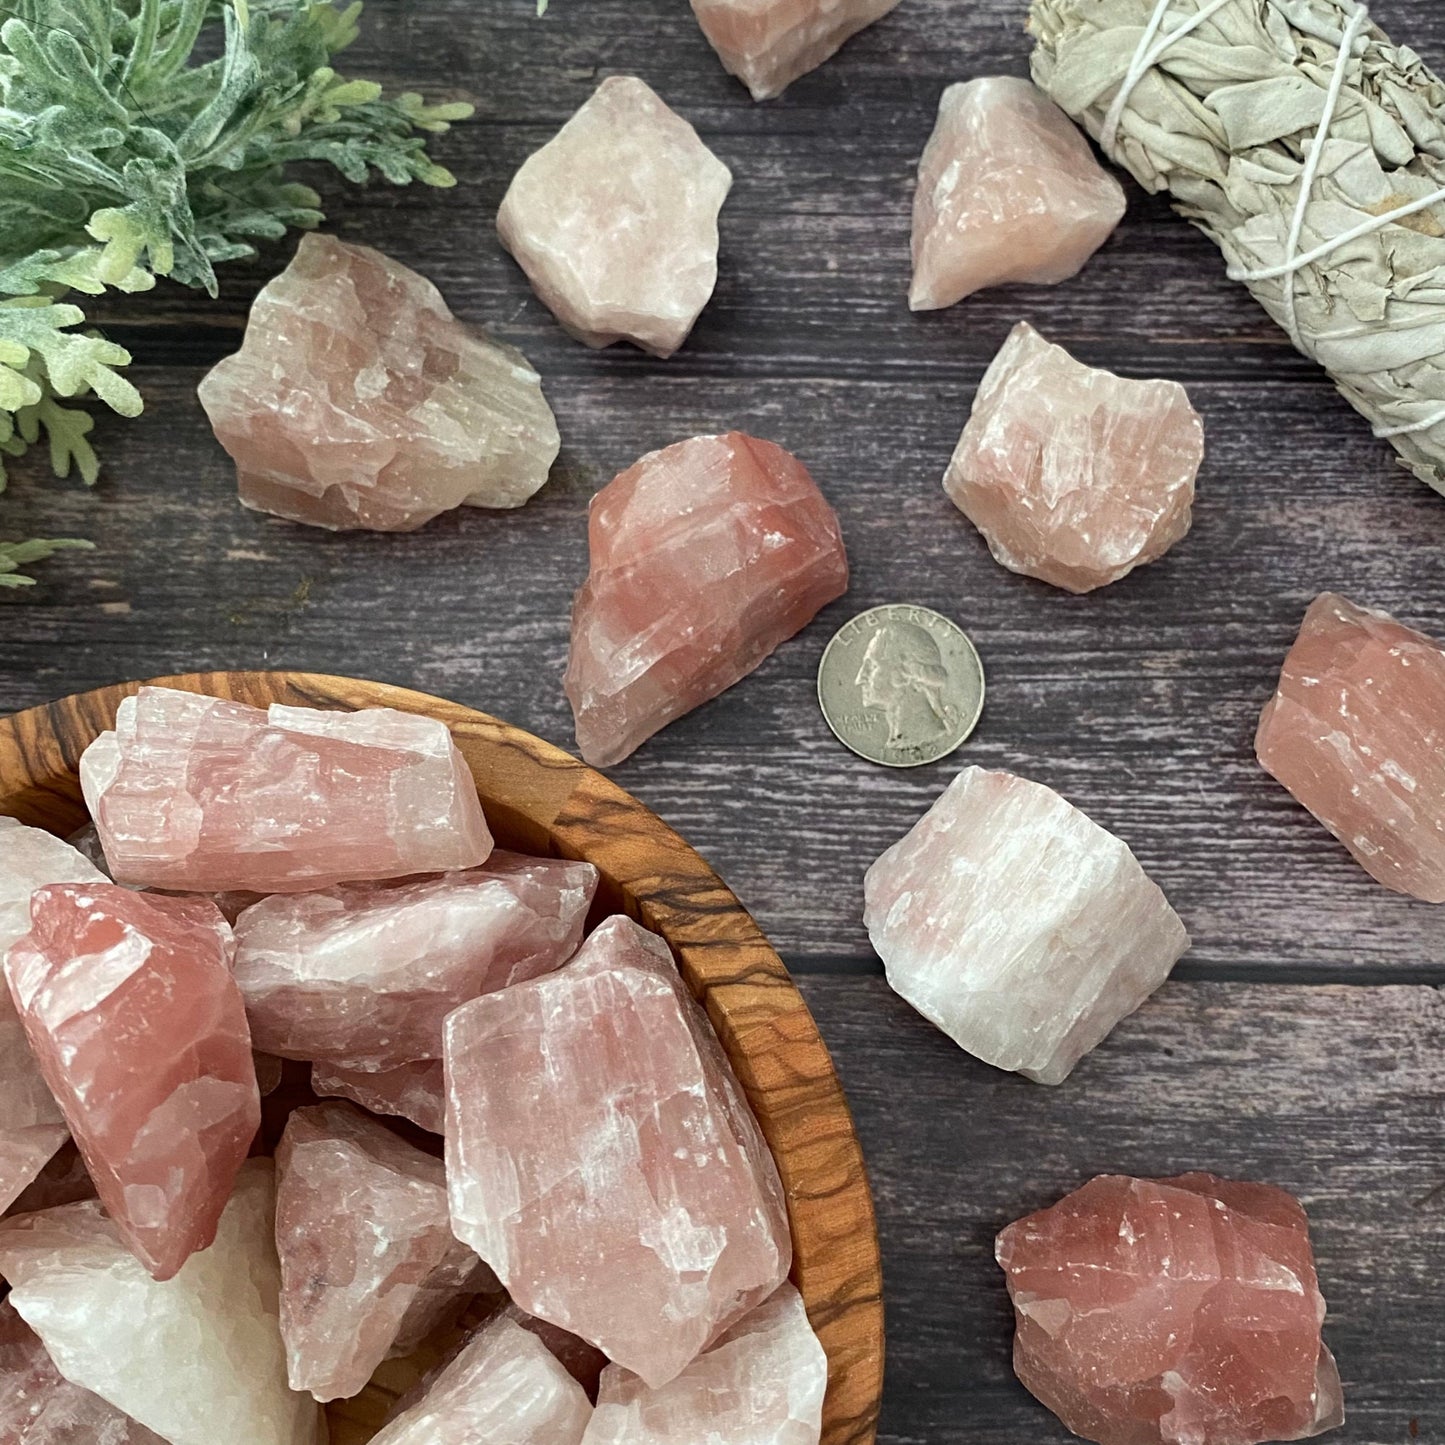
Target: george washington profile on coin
[903,676]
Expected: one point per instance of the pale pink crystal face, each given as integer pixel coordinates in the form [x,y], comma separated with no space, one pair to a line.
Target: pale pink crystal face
[615,220]
[140,1031]
[410,1091]
[705,557]
[762,1383]
[1019,926]
[1074,475]
[1172,1312]
[1008,190]
[358,400]
[362,1231]
[584,1362]
[768,44]
[201,795]
[197,1359]
[363,976]
[1356,731]
[39,1406]
[64,1180]
[504,1386]
[602,1158]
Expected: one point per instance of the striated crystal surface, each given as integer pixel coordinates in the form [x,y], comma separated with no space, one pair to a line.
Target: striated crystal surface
[615,220]
[202,795]
[584,1362]
[364,1238]
[358,400]
[1008,190]
[130,1008]
[198,1359]
[602,1159]
[1356,731]
[39,1406]
[363,976]
[705,557]
[1074,475]
[768,44]
[762,1383]
[504,1388]
[1019,926]
[1172,1312]
[411,1091]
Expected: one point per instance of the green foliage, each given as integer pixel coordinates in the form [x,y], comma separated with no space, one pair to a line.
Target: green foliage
[123,157]
[15,555]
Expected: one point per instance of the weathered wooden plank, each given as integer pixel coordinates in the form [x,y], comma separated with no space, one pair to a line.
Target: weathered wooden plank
[1336,1094]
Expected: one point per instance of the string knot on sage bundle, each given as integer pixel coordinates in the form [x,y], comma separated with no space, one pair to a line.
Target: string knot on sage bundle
[1311,148]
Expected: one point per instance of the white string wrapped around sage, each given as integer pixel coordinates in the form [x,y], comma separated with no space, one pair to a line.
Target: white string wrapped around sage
[1310,148]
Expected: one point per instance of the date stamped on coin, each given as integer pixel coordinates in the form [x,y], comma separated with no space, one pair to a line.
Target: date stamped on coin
[901,685]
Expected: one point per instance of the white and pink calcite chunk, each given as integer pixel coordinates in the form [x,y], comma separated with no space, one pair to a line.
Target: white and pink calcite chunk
[362,976]
[358,400]
[202,795]
[410,1091]
[1074,475]
[602,1159]
[1356,731]
[198,1359]
[762,1383]
[130,1008]
[768,44]
[705,557]
[504,1387]
[1008,190]
[1016,924]
[615,220]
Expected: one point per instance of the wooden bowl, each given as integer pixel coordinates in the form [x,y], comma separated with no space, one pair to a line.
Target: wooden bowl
[539,799]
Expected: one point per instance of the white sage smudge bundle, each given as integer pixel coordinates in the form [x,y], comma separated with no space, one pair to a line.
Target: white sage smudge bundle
[1310,148]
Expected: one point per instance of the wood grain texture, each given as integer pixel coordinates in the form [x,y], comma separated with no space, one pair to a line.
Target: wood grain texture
[540,800]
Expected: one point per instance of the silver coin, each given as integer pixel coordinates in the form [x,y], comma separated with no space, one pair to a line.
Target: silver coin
[901,685]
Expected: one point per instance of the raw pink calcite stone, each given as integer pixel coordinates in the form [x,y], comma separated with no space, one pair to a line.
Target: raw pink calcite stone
[410,1091]
[361,1229]
[615,220]
[1008,190]
[705,557]
[768,44]
[139,1029]
[363,976]
[64,1180]
[1356,731]
[198,1359]
[202,795]
[602,1159]
[762,1383]
[1019,926]
[504,1388]
[584,1362]
[1172,1312]
[358,400]
[1074,475]
[39,1406]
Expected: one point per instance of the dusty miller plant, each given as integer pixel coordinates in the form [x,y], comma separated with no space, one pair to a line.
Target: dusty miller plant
[124,158]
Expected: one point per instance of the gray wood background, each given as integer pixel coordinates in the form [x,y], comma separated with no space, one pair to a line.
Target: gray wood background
[1303,1040]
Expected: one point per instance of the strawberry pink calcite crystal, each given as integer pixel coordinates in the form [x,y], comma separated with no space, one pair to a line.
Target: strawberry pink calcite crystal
[1008,190]
[1356,731]
[602,1159]
[1172,1312]
[131,1010]
[362,976]
[705,557]
[762,1383]
[768,44]
[615,220]
[1019,926]
[410,1091]
[358,400]
[202,795]
[584,1362]
[1074,475]
[362,1230]
[504,1388]
[197,1359]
